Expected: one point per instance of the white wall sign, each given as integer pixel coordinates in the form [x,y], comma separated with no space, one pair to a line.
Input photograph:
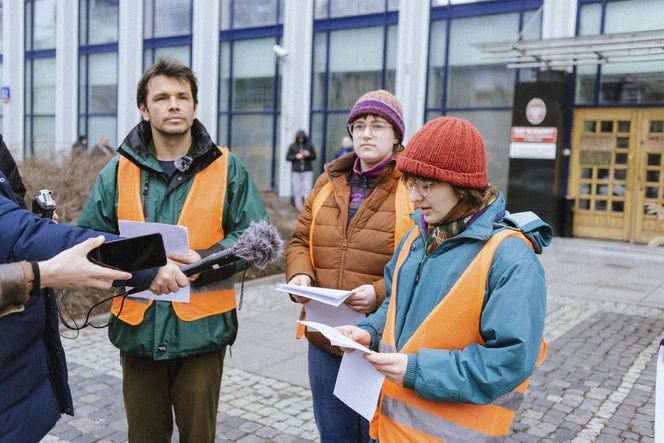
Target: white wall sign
[540,151]
[535,111]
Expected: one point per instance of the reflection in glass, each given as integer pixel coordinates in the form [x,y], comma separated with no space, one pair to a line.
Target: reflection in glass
[585,84]
[252,142]
[623,126]
[652,176]
[620,174]
[167,18]
[354,72]
[652,192]
[43,86]
[601,189]
[41,24]
[589,125]
[98,126]
[622,142]
[252,13]
[98,22]
[606,126]
[342,8]
[621,159]
[102,83]
[253,74]
[602,174]
[586,172]
[654,159]
[436,64]
[318,79]
[584,204]
[473,81]
[584,189]
[657,126]
[618,190]
[600,205]
[618,206]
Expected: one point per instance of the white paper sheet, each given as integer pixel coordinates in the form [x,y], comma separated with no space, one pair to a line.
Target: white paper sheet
[176,239]
[358,384]
[336,337]
[319,312]
[329,296]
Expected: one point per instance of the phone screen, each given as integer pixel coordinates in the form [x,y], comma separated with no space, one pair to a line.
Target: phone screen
[131,254]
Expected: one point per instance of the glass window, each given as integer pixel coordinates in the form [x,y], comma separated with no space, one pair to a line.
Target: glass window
[98,22]
[633,15]
[253,74]
[43,86]
[342,8]
[355,64]
[102,82]
[179,53]
[494,127]
[336,130]
[40,26]
[436,73]
[252,142]
[43,135]
[166,18]
[590,19]
[472,81]
[391,58]
[224,75]
[252,13]
[320,56]
[632,83]
[99,126]
[585,84]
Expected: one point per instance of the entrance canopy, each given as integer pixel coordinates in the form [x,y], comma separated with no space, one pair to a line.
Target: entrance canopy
[628,47]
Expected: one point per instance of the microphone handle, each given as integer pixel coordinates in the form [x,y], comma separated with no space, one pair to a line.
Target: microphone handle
[212,261]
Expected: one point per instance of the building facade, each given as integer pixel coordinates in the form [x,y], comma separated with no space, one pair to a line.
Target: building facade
[268,68]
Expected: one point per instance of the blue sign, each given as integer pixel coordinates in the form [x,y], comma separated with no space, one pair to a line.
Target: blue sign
[5,94]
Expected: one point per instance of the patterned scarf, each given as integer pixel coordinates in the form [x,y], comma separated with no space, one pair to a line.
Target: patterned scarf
[455,222]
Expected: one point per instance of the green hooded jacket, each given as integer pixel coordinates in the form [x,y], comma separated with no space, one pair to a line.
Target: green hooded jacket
[162,335]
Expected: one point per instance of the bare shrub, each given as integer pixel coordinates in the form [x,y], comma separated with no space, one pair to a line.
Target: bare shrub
[71,179]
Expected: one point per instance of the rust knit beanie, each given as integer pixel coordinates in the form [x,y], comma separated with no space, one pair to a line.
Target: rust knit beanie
[447,149]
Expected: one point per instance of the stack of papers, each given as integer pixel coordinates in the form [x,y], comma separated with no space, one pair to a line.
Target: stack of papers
[333,297]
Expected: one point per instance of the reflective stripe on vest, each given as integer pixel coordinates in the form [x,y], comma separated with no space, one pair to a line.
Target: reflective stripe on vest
[403,416]
[402,223]
[201,214]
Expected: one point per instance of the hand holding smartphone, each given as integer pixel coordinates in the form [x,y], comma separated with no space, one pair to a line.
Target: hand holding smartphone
[131,254]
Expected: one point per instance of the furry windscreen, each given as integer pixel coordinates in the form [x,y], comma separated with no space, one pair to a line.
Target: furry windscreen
[259,244]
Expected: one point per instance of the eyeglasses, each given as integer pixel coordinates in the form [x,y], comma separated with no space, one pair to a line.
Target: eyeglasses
[377,128]
[422,187]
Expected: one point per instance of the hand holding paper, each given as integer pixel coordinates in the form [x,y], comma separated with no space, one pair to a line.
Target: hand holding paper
[336,338]
[332,297]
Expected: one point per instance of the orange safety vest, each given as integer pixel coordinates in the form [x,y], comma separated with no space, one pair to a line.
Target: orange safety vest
[403,416]
[202,216]
[402,223]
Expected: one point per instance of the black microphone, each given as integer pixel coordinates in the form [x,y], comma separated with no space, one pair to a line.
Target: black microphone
[259,244]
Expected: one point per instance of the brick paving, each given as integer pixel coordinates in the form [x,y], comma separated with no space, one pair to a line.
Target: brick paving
[604,321]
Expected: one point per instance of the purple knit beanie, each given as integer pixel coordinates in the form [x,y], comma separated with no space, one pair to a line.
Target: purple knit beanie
[382,104]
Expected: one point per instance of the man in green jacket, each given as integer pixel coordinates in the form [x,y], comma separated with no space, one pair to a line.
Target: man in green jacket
[170,171]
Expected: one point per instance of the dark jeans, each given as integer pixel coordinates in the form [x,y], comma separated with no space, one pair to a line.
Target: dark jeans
[336,422]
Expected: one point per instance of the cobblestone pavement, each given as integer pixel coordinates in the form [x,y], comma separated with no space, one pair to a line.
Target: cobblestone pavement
[604,321]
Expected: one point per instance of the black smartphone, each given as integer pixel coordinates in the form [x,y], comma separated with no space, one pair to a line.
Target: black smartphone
[131,254]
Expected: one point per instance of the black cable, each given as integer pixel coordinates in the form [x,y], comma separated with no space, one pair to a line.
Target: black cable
[87,321]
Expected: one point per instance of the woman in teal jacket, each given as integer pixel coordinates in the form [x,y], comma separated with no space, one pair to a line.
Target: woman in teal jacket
[444,168]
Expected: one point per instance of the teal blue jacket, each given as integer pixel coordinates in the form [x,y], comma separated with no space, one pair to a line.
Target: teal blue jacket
[512,320]
[162,335]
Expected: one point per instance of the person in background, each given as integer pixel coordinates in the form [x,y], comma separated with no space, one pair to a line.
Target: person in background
[345,244]
[460,330]
[301,153]
[170,171]
[345,147]
[80,145]
[102,149]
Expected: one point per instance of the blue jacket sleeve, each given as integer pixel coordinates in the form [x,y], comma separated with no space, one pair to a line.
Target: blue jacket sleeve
[479,373]
[24,236]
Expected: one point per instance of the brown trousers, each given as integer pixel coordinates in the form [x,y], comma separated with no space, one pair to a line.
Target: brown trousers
[188,386]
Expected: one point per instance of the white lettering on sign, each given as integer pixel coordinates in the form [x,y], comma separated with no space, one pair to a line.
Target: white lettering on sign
[535,111]
[529,134]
